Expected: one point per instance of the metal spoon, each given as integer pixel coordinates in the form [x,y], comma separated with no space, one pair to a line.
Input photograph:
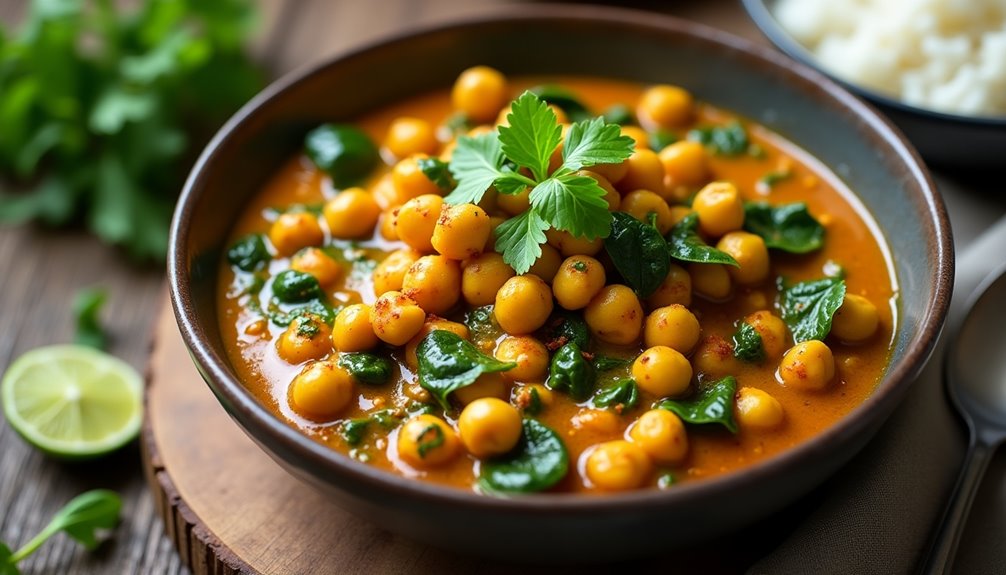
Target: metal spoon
[976,383]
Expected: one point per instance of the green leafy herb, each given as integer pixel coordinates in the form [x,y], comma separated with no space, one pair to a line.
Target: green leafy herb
[367,368]
[639,253]
[314,308]
[87,304]
[562,200]
[728,140]
[619,114]
[534,404]
[565,327]
[100,106]
[352,430]
[608,363]
[308,327]
[713,404]
[660,139]
[292,286]
[686,245]
[425,441]
[80,519]
[666,480]
[481,324]
[770,179]
[622,392]
[788,227]
[748,344]
[564,99]
[808,307]
[539,461]
[448,363]
[249,253]
[570,372]
[343,152]
[437,171]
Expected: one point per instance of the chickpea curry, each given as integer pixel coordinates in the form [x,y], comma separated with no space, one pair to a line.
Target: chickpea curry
[583,285]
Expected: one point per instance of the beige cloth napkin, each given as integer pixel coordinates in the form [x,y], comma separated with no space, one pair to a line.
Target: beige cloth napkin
[877,514]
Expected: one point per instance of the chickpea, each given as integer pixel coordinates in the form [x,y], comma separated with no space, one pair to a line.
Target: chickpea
[662,371]
[750,252]
[321,390]
[461,231]
[489,426]
[614,173]
[479,93]
[570,245]
[410,181]
[408,136]
[352,330]
[662,436]
[295,230]
[675,289]
[856,319]
[679,213]
[644,172]
[388,274]
[614,315]
[385,194]
[494,222]
[672,326]
[720,209]
[434,282]
[426,441]
[396,318]
[351,214]
[487,385]
[756,409]
[482,277]
[685,164]
[641,203]
[611,195]
[433,323]
[578,281]
[772,331]
[617,465]
[807,366]
[514,204]
[530,355]
[664,106]
[317,263]
[386,225]
[416,220]
[715,357]
[711,281]
[638,135]
[523,304]
[596,421]
[307,337]
[547,264]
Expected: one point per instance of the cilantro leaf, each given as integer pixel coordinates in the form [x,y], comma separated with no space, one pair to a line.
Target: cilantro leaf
[519,239]
[593,142]
[573,203]
[532,136]
[475,164]
[436,171]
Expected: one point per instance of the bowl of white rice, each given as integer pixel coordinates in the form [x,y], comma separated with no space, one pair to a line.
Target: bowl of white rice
[937,68]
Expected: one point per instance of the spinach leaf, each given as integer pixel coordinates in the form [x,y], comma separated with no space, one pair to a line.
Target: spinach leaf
[564,99]
[808,307]
[572,373]
[448,363]
[481,324]
[770,179]
[788,227]
[713,404]
[344,152]
[660,139]
[728,140]
[539,461]
[566,327]
[436,170]
[608,363]
[353,430]
[86,305]
[639,253]
[292,286]
[248,253]
[747,344]
[622,392]
[619,114]
[366,368]
[314,307]
[686,245]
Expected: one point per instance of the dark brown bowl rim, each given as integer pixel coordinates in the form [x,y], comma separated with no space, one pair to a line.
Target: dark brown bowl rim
[773,30]
[247,410]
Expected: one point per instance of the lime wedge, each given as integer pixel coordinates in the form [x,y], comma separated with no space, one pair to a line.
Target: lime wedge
[73,401]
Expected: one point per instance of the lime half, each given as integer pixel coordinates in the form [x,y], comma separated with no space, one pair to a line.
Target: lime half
[73,401]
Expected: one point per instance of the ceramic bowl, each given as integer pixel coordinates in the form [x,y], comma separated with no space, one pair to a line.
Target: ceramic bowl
[949,141]
[759,83]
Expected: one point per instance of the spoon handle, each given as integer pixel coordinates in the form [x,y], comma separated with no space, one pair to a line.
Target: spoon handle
[944,546]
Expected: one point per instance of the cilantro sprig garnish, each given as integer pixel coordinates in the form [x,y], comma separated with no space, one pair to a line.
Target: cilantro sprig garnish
[517,156]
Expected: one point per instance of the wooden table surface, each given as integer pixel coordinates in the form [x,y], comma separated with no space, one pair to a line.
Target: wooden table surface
[43,268]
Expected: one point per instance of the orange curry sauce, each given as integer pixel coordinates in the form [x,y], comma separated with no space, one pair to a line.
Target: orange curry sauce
[852,240]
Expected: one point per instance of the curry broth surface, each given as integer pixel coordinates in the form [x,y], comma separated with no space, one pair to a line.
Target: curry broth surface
[851,239]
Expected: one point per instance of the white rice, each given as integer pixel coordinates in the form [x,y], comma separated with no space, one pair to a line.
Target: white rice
[946,55]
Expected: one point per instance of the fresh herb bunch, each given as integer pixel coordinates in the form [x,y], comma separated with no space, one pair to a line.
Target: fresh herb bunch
[99,109]
[516,157]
